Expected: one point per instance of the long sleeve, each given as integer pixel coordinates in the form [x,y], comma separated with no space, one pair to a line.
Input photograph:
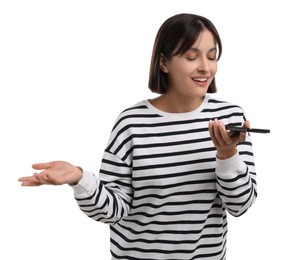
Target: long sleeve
[161,188]
[236,179]
[106,198]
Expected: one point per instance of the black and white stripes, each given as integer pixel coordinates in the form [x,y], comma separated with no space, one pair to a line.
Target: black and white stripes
[161,188]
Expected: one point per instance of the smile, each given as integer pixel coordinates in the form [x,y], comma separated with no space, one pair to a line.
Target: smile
[200,79]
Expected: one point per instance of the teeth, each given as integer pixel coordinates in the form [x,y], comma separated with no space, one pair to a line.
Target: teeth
[200,79]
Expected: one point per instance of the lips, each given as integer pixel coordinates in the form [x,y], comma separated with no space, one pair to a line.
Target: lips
[202,81]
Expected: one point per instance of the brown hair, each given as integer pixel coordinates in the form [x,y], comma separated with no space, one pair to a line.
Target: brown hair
[176,36]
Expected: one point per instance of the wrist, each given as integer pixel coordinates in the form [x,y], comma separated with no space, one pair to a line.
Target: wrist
[226,154]
[78,176]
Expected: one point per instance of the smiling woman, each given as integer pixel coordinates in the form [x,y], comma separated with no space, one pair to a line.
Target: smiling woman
[189,75]
[177,40]
[170,171]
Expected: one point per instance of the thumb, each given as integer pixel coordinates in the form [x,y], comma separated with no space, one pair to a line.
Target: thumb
[41,166]
[246,124]
[242,135]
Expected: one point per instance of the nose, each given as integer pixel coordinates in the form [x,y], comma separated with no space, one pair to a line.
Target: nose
[203,65]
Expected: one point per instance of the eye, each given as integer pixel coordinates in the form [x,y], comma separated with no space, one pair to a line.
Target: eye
[212,55]
[189,58]
[212,58]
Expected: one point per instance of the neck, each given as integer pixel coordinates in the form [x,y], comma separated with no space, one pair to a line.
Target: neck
[174,104]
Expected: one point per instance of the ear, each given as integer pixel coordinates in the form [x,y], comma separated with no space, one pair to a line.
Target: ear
[163,64]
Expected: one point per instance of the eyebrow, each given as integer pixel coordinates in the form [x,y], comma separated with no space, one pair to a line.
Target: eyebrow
[196,49]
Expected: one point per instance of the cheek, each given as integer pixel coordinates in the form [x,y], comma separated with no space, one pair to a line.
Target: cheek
[179,72]
[214,68]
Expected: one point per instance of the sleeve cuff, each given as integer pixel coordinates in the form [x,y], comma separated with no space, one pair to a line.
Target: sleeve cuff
[231,165]
[86,186]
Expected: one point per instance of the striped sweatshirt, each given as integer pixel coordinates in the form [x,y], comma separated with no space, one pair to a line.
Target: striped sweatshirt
[161,188]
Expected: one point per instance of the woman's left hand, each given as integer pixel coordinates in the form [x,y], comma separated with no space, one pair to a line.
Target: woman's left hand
[225,143]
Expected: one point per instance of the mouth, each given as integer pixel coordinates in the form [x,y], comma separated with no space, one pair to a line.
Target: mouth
[202,81]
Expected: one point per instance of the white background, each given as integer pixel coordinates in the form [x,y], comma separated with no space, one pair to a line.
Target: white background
[68,68]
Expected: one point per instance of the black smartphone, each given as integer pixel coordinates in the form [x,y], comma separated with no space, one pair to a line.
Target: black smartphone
[235,130]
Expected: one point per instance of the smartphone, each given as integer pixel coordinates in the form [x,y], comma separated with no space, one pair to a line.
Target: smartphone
[235,130]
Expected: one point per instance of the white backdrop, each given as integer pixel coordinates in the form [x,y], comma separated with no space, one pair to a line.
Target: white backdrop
[68,68]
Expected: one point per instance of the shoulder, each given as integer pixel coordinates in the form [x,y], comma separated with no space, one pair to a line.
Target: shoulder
[218,104]
[135,114]
[224,110]
[134,117]
[139,107]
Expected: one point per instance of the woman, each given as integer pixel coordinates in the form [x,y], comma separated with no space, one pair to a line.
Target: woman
[170,170]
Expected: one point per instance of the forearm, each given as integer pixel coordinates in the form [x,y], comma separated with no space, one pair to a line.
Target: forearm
[97,201]
[236,184]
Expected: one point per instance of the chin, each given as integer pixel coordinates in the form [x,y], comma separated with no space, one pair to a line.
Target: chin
[199,93]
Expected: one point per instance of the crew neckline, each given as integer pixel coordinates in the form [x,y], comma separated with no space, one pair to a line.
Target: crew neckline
[168,114]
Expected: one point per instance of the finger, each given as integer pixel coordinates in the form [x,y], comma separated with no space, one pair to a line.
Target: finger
[25,178]
[226,139]
[218,134]
[29,181]
[211,130]
[42,166]
[41,178]
[212,133]
[242,137]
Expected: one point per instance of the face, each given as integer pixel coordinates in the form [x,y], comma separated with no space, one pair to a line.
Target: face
[191,73]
